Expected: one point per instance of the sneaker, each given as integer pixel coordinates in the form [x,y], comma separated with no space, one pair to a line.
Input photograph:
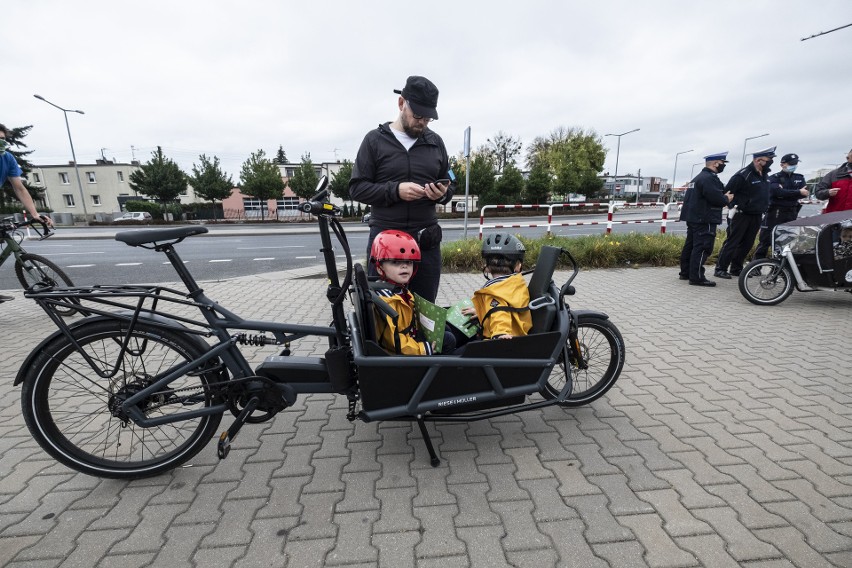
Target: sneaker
[722,274]
[682,277]
[6,298]
[708,283]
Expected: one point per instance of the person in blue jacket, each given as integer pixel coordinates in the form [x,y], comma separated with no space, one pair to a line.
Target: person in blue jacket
[702,211]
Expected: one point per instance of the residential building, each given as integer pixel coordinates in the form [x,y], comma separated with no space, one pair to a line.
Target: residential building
[624,186]
[106,188]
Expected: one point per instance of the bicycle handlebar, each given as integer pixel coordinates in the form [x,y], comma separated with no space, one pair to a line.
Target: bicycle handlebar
[10,225]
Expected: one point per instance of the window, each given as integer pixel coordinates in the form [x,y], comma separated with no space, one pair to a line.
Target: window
[120,176]
[290,172]
[36,178]
[288,203]
[96,200]
[69,199]
[251,204]
[91,177]
[63,178]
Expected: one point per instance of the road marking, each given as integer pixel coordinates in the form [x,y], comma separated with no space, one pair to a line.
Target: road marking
[168,263]
[265,258]
[277,247]
[129,264]
[220,260]
[304,257]
[79,266]
[69,253]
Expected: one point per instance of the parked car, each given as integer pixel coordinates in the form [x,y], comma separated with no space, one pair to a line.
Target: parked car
[366,218]
[140,216]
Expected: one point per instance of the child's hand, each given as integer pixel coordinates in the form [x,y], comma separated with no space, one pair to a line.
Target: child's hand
[468,311]
[504,336]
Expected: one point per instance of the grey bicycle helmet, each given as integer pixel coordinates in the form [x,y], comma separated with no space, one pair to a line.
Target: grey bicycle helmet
[503,245]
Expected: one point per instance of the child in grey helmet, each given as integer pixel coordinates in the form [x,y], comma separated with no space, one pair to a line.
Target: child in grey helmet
[502,305]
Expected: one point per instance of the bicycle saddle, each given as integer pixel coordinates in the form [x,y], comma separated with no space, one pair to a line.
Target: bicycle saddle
[150,236]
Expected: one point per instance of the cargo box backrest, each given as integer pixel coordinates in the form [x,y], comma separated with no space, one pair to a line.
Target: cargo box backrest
[542,303]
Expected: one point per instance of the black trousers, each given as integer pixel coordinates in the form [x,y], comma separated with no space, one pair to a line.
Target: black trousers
[775,216]
[697,248]
[425,283]
[744,228]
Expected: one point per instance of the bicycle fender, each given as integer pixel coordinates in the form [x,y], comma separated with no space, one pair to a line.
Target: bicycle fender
[578,313]
[19,378]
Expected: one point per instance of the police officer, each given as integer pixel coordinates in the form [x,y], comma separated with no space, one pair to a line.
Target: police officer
[786,188]
[702,211]
[750,187]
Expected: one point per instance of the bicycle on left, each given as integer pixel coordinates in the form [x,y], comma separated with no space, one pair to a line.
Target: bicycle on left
[34,272]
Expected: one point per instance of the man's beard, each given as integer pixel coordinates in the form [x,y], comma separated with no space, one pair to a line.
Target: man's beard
[413,129]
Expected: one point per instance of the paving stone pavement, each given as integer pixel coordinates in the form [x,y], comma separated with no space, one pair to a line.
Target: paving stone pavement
[727,441]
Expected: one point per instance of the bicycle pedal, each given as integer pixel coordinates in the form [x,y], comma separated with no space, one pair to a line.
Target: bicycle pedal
[224,446]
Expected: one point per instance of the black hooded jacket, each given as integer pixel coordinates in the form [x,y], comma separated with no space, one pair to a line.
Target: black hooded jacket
[383,163]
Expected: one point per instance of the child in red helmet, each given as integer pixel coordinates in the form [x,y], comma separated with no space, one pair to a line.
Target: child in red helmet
[396,254]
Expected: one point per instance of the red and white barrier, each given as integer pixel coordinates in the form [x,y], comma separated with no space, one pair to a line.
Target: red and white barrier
[611,207]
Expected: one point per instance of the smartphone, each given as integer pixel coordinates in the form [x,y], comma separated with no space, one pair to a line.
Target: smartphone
[442,181]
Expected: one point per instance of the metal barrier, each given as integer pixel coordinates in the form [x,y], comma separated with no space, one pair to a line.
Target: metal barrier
[611,207]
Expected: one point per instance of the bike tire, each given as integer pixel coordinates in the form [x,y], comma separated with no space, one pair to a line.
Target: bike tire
[66,405]
[765,282]
[44,273]
[603,352]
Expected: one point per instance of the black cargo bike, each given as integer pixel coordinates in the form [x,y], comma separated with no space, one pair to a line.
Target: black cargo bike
[140,385]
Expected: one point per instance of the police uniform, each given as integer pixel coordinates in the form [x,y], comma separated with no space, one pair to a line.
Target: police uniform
[784,195]
[702,211]
[751,197]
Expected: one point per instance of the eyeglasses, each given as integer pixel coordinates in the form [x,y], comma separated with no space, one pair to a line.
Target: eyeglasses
[417,116]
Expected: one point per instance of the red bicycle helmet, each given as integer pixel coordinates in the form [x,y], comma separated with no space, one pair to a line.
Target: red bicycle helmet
[394,245]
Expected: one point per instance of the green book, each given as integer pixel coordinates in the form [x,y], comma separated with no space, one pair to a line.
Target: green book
[433,320]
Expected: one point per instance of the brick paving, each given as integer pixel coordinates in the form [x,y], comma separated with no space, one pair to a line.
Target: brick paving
[727,441]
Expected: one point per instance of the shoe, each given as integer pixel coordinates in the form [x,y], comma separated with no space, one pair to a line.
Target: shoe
[682,277]
[6,298]
[708,283]
[721,274]
[734,274]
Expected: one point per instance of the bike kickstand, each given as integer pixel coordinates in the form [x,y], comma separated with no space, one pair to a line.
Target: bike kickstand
[434,460]
[228,436]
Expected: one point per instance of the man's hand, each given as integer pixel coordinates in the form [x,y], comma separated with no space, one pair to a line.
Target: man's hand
[410,191]
[803,192]
[730,196]
[436,191]
[46,220]
[833,191]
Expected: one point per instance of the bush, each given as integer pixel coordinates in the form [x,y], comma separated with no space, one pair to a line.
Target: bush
[590,251]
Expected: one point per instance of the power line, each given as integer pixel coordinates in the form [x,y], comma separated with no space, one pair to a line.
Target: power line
[828,32]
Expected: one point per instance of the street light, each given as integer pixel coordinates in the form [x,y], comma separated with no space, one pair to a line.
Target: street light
[618,151]
[746,142]
[692,171]
[65,112]
[674,175]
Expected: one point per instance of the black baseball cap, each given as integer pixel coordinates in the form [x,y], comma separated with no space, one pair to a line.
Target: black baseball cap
[422,96]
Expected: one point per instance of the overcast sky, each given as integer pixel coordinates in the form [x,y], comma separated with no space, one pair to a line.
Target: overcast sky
[227,78]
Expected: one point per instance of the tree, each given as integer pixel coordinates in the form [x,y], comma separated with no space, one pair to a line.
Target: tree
[304,181]
[538,185]
[280,157]
[482,179]
[501,149]
[339,184]
[209,181]
[509,185]
[261,179]
[575,156]
[159,178]
[15,138]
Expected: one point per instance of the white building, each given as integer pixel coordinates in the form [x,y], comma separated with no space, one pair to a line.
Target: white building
[105,188]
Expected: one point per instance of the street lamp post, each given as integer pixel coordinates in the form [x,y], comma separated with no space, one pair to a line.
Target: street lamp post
[65,112]
[674,175]
[746,142]
[692,171]
[617,152]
